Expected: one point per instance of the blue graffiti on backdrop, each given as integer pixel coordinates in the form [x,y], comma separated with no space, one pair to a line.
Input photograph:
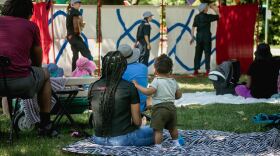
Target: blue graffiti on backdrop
[128,30]
[62,13]
[185,27]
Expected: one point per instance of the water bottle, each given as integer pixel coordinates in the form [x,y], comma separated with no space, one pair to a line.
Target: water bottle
[181,141]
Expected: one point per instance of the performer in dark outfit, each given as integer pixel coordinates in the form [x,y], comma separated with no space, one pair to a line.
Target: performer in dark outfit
[74,25]
[143,38]
[202,22]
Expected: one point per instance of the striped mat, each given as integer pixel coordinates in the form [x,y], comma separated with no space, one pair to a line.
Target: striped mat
[197,142]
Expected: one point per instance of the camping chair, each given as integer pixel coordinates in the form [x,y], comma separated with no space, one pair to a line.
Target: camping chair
[5,62]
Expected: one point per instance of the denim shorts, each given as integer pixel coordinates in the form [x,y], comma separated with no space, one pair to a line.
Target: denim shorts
[140,137]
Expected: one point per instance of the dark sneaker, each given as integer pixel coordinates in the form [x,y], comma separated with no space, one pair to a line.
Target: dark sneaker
[207,73]
[47,131]
[195,73]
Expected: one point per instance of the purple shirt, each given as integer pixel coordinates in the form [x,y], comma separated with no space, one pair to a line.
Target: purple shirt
[17,37]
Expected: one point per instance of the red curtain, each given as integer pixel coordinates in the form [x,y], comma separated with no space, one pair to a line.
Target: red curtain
[235,34]
[40,17]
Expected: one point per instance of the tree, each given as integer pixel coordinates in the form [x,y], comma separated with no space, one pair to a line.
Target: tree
[274,31]
[112,2]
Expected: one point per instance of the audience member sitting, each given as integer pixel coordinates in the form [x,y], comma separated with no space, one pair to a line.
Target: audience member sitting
[135,71]
[20,42]
[84,67]
[262,75]
[116,109]
[55,71]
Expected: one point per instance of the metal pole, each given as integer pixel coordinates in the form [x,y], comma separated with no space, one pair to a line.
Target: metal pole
[161,34]
[99,36]
[258,24]
[266,21]
[52,19]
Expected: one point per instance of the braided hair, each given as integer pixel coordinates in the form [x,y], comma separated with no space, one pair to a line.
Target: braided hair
[113,66]
[18,8]
[163,64]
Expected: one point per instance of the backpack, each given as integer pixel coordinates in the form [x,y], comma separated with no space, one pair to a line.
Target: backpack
[140,33]
[225,77]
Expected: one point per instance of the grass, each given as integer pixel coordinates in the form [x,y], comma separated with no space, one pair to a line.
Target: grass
[223,117]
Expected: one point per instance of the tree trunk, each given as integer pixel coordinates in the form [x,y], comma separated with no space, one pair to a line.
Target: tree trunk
[112,2]
[136,2]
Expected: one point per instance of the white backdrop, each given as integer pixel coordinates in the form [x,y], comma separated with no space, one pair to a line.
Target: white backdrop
[119,25]
[61,47]
[179,22]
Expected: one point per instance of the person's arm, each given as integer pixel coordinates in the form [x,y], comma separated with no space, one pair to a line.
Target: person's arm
[147,41]
[215,9]
[135,106]
[195,24]
[249,81]
[36,53]
[146,31]
[76,24]
[192,36]
[147,91]
[36,56]
[136,115]
[178,94]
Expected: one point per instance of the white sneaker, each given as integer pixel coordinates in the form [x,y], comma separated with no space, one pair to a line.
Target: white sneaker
[176,143]
[160,148]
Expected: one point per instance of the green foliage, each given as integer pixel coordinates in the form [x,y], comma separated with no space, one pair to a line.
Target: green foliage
[273,24]
[223,117]
[274,31]
[1,6]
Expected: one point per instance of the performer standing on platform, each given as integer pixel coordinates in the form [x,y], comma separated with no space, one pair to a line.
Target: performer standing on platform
[202,22]
[143,38]
[74,25]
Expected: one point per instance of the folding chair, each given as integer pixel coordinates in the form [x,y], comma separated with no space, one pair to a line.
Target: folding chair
[5,62]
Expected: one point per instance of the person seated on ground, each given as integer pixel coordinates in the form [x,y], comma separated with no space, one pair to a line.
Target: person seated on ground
[262,75]
[84,68]
[277,95]
[116,109]
[164,91]
[135,71]
[20,42]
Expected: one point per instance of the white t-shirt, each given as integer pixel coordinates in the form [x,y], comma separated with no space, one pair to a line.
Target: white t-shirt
[166,90]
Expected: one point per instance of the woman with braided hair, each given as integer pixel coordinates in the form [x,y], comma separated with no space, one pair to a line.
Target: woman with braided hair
[115,105]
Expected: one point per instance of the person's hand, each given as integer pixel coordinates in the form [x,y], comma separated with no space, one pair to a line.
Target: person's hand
[135,83]
[149,46]
[136,45]
[69,37]
[83,24]
[212,5]
[192,40]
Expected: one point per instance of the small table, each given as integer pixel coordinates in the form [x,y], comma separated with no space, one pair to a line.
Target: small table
[72,93]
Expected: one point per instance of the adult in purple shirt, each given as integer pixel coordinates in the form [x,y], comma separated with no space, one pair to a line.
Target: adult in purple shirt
[20,42]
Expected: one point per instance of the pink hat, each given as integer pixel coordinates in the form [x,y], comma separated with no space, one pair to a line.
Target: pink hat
[84,67]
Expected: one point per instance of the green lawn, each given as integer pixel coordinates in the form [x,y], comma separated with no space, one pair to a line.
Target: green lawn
[224,117]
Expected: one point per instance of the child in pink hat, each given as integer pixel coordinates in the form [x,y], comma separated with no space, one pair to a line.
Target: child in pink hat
[84,67]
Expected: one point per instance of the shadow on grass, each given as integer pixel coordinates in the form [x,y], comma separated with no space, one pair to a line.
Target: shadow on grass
[224,117]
